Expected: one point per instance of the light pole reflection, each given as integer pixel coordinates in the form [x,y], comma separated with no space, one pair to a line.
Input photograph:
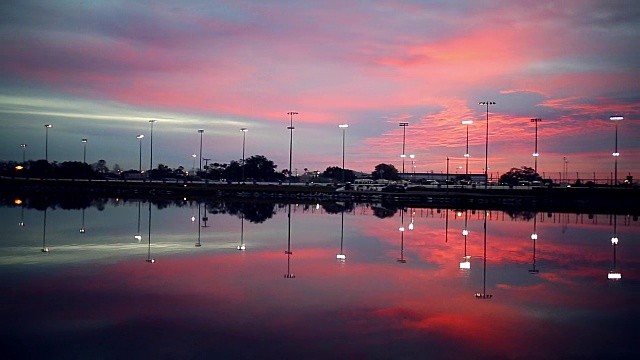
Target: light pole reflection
[484,294]
[21,223]
[138,236]
[534,237]
[82,229]
[465,264]
[241,247]
[401,259]
[288,252]
[341,256]
[614,274]
[45,249]
[198,244]
[149,259]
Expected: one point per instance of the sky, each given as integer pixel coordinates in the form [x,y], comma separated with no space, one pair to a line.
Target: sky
[101,70]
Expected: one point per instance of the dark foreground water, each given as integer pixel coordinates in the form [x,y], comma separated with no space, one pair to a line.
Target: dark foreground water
[78,284]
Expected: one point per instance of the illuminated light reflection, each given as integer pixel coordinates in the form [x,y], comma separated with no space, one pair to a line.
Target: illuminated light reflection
[342,257]
[614,240]
[534,236]
[465,265]
[614,275]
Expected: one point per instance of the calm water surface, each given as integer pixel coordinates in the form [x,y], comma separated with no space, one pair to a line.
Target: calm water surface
[79,284]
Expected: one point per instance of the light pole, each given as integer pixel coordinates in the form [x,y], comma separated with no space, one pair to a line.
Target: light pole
[614,274]
[291,113]
[84,162]
[486,147]
[244,141]
[616,154]
[140,137]
[404,128]
[466,154]
[151,146]
[84,153]
[24,149]
[46,141]
[200,131]
[193,163]
[344,128]
[535,152]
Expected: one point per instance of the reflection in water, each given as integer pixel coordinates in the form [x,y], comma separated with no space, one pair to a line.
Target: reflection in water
[149,259]
[45,249]
[198,244]
[98,287]
[614,274]
[21,223]
[289,275]
[465,264]
[205,218]
[242,246]
[534,237]
[82,229]
[138,236]
[401,259]
[484,294]
[341,256]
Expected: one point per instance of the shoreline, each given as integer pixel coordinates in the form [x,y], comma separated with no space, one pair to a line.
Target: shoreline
[622,200]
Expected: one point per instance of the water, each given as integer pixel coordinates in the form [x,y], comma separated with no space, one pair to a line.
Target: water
[396,294]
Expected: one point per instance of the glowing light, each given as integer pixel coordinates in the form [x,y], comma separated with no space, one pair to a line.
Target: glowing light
[465,232]
[614,240]
[534,236]
[616,154]
[138,237]
[241,247]
[467,122]
[411,226]
[193,219]
[614,275]
[465,265]
[17,201]
[536,154]
[19,167]
[401,228]
[341,257]
[616,118]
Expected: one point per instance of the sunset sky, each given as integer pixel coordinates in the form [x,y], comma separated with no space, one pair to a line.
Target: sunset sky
[102,69]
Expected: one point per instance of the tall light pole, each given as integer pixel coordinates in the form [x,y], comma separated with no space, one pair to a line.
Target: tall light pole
[486,147]
[140,137]
[84,152]
[413,165]
[291,113]
[344,128]
[200,131]
[244,141]
[535,153]
[616,154]
[46,141]
[24,149]
[404,128]
[151,145]
[193,163]
[466,154]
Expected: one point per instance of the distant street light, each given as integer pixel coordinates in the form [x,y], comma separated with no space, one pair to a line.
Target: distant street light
[535,153]
[140,137]
[244,140]
[200,131]
[404,128]
[193,163]
[24,149]
[616,154]
[46,141]
[344,128]
[291,113]
[466,154]
[486,147]
[151,145]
